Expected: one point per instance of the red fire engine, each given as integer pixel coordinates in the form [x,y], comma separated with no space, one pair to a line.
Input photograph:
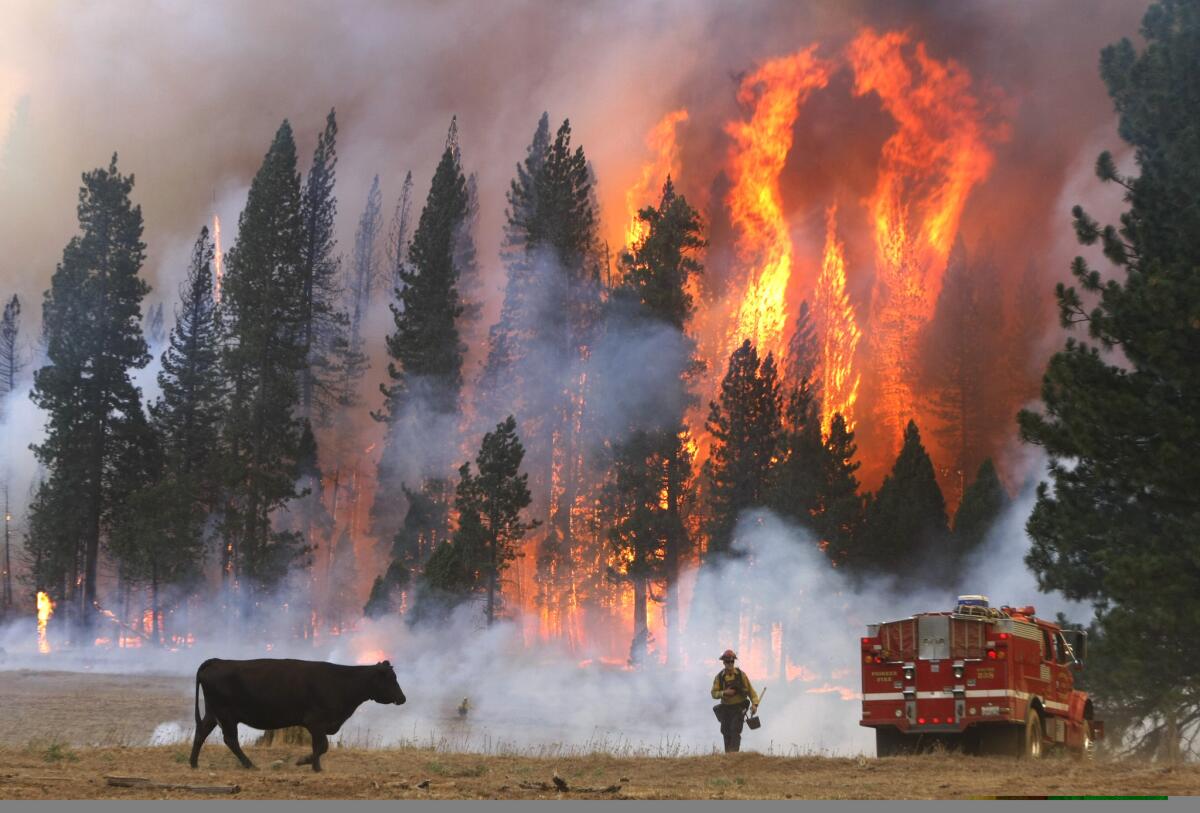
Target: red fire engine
[986,680]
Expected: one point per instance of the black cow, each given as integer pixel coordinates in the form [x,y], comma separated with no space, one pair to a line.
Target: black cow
[277,693]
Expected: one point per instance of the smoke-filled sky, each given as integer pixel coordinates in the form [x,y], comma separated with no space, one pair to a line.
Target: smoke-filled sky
[190,94]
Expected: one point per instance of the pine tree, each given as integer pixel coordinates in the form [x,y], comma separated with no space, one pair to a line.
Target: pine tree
[905,528]
[322,323]
[161,532]
[398,233]
[509,338]
[797,479]
[745,424]
[650,466]
[12,361]
[263,360]
[1119,527]
[489,505]
[983,503]
[426,521]
[381,600]
[91,320]
[364,279]
[425,373]
[188,413]
[426,341]
[551,307]
[841,517]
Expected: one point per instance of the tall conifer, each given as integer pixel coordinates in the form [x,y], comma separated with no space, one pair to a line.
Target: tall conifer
[92,328]
[264,359]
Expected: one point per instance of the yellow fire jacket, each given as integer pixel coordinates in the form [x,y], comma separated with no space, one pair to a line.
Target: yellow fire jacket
[737,680]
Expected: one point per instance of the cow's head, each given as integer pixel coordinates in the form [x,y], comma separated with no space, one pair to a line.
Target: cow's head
[384,686]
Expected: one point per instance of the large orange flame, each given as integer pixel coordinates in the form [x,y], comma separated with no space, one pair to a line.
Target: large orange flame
[760,150]
[838,331]
[662,143]
[45,609]
[928,167]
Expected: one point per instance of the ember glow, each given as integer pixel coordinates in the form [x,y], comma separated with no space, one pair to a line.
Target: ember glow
[45,609]
[837,331]
[760,149]
[218,260]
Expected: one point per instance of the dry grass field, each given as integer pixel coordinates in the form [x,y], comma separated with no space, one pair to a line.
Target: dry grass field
[61,734]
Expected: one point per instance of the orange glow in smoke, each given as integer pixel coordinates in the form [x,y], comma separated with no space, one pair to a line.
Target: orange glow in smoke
[661,141]
[837,331]
[45,609]
[218,260]
[929,165]
[760,148]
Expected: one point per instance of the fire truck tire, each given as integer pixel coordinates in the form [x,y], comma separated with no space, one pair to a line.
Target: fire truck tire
[1087,749]
[1031,742]
[887,742]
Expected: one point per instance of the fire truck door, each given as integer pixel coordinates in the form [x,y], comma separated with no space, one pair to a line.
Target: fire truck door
[933,636]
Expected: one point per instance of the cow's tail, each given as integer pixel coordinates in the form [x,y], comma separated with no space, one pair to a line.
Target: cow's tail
[198,671]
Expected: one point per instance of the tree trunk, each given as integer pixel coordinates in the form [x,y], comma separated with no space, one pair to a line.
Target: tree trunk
[491,595]
[155,614]
[641,632]
[671,556]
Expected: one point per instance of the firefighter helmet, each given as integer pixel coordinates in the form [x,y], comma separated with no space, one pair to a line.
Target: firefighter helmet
[728,655]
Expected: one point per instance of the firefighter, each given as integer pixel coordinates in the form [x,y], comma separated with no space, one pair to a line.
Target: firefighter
[732,687]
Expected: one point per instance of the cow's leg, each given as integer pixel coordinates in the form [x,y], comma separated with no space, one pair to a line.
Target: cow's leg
[320,746]
[203,729]
[229,729]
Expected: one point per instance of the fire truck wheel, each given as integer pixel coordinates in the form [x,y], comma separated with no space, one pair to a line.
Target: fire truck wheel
[887,742]
[1087,749]
[1031,743]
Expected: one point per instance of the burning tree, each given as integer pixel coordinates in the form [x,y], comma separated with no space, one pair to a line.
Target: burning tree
[537,352]
[651,464]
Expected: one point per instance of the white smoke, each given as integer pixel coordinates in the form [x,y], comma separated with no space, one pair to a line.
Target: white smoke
[536,697]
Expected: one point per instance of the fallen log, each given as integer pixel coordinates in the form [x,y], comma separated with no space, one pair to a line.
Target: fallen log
[143,782]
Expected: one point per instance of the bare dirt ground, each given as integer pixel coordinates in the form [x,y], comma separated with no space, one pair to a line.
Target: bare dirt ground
[61,734]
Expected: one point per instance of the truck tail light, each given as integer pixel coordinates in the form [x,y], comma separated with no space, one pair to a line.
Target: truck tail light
[1002,636]
[991,654]
[921,721]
